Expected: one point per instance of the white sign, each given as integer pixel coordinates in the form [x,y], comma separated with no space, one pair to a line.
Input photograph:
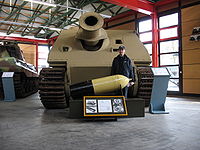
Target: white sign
[104,106]
[160,71]
[7,74]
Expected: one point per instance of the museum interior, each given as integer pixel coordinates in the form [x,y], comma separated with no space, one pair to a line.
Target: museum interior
[99,74]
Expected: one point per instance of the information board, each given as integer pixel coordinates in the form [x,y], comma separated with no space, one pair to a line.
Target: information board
[104,106]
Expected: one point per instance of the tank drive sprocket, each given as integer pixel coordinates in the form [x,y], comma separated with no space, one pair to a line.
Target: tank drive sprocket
[145,80]
[52,88]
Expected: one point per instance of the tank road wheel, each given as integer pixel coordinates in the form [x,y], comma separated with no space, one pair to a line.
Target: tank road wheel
[52,88]
[145,81]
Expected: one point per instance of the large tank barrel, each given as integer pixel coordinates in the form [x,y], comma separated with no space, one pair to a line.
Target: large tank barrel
[91,32]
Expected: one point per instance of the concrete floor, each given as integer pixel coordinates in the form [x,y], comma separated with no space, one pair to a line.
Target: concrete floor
[26,125]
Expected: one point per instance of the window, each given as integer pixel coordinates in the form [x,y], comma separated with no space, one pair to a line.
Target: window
[174,71]
[145,34]
[168,33]
[145,30]
[145,25]
[168,43]
[169,48]
[43,52]
[173,85]
[144,37]
[168,20]
[169,59]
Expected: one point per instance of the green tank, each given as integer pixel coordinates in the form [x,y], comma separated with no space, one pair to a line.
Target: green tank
[86,52]
[25,74]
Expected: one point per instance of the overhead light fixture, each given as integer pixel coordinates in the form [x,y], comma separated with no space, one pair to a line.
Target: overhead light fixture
[42,3]
[144,11]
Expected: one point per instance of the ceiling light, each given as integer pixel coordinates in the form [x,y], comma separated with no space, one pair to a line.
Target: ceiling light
[40,2]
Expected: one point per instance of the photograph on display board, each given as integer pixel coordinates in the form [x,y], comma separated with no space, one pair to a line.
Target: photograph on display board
[118,106]
[91,106]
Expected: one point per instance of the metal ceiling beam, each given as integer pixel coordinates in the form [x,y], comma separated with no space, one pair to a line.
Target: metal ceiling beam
[14,5]
[15,19]
[64,22]
[16,10]
[108,9]
[98,11]
[117,12]
[164,2]
[99,7]
[27,9]
[1,5]
[32,18]
[53,13]
[142,6]
[17,5]
[39,7]
[49,21]
[89,2]
[21,20]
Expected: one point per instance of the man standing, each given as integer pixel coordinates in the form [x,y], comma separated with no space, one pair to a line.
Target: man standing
[122,65]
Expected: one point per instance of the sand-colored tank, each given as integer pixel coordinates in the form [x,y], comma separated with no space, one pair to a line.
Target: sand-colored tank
[25,75]
[86,53]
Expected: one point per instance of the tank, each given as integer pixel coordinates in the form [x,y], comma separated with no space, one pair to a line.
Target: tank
[86,52]
[25,74]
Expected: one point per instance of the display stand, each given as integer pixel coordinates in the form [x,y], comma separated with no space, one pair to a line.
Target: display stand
[159,91]
[104,106]
[8,86]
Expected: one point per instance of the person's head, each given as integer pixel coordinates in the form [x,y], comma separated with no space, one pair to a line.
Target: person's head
[121,50]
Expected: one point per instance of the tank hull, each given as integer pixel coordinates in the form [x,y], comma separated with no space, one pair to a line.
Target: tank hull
[25,75]
[87,52]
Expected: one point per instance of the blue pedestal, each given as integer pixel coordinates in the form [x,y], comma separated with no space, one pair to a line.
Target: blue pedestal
[159,91]
[8,86]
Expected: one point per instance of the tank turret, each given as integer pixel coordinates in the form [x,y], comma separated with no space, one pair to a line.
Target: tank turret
[91,34]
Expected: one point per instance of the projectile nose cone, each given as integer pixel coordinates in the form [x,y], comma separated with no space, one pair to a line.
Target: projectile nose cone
[123,81]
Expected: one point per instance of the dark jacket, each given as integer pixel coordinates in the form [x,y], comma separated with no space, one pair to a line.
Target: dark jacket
[122,65]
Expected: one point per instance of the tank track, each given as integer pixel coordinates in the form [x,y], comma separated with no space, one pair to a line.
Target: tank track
[52,88]
[24,86]
[1,87]
[145,80]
